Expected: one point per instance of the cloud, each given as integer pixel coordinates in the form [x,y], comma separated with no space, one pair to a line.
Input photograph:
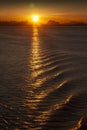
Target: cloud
[40,1]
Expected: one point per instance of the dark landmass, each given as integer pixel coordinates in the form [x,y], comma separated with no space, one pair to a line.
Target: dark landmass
[49,23]
[77,24]
[52,22]
[13,23]
[73,23]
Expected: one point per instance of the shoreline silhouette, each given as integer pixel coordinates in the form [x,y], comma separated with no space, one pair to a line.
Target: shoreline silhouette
[49,23]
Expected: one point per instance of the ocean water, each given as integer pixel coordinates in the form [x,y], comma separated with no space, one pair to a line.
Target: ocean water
[43,78]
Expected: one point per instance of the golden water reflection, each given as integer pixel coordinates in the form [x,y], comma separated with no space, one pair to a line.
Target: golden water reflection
[36,59]
[45,116]
[39,92]
[79,123]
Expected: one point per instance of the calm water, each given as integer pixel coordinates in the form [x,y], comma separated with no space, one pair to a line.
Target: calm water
[43,78]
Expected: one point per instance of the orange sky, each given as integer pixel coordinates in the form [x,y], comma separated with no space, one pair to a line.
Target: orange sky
[60,12]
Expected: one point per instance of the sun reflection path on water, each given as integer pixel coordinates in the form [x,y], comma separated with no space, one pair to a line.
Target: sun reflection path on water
[35,49]
[37,92]
[36,57]
[35,64]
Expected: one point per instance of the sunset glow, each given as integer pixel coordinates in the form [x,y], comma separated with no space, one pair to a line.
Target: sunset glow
[35,18]
[44,11]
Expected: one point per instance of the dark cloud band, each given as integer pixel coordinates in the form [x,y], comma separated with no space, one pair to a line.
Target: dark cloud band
[40,1]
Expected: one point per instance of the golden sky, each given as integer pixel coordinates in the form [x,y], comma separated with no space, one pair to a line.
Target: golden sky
[59,10]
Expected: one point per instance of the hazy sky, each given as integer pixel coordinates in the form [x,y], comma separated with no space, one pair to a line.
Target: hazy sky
[60,10]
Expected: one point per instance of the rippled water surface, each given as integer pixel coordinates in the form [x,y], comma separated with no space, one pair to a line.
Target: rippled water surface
[43,78]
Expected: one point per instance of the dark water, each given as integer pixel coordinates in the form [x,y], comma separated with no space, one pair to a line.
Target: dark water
[43,78]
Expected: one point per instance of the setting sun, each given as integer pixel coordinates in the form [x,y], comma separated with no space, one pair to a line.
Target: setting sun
[35,18]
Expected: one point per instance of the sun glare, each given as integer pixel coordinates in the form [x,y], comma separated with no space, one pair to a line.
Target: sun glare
[35,18]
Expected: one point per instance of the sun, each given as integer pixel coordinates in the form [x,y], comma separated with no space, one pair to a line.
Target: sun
[35,18]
